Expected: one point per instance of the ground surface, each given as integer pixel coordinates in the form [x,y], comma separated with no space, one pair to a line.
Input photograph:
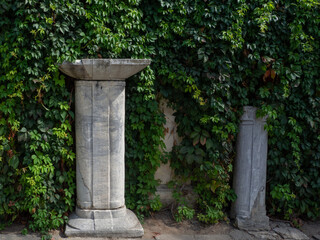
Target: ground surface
[161,226]
[163,223]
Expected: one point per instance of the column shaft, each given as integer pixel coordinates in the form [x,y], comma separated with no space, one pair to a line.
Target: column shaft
[249,181]
[100,117]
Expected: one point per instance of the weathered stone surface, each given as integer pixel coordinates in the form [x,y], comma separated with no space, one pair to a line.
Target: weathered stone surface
[100,143]
[165,194]
[316,237]
[279,223]
[126,226]
[249,180]
[268,235]
[240,235]
[193,237]
[291,233]
[174,237]
[103,69]
[212,237]
[100,147]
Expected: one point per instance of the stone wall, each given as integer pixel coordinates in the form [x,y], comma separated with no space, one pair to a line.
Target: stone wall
[165,173]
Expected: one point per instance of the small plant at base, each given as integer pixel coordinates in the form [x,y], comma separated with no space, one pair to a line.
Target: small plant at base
[283,200]
[184,212]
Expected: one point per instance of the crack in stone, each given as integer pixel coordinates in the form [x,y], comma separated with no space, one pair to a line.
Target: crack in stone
[84,184]
[73,227]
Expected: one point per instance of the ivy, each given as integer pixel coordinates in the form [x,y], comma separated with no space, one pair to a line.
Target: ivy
[227,55]
[209,59]
[37,159]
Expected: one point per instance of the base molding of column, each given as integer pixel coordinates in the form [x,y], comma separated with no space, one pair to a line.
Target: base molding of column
[258,223]
[127,226]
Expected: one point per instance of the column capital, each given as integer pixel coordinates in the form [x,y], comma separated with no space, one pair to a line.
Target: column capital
[103,69]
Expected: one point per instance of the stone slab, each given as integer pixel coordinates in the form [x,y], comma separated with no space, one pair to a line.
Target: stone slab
[291,233]
[268,235]
[193,237]
[174,237]
[240,235]
[212,237]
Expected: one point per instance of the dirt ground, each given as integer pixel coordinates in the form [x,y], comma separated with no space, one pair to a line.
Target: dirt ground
[163,223]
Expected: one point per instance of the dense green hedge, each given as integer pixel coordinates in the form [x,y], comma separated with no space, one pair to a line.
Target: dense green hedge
[210,58]
[214,57]
[37,177]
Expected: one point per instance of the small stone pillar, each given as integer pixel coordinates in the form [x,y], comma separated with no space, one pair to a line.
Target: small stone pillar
[100,148]
[249,180]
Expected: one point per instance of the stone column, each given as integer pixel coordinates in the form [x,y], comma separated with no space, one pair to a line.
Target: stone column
[249,180]
[100,169]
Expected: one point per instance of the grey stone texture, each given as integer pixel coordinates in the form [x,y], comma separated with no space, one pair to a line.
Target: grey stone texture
[100,147]
[103,69]
[268,235]
[240,235]
[290,233]
[99,127]
[193,237]
[249,180]
[174,237]
[124,226]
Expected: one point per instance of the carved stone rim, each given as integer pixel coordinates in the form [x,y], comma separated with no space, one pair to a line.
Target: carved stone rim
[103,69]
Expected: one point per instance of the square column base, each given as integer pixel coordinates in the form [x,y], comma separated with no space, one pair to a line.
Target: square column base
[127,225]
[260,223]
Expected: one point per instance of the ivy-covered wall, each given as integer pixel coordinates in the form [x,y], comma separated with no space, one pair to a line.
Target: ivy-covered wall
[210,58]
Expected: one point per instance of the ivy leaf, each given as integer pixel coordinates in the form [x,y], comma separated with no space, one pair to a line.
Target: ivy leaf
[200,152]
[194,134]
[190,158]
[205,133]
[59,80]
[14,162]
[23,130]
[196,140]
[61,179]
[203,140]
[209,144]
[184,150]
[214,185]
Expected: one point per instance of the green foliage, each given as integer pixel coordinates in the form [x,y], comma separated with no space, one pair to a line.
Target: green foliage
[209,59]
[182,208]
[37,177]
[36,143]
[283,198]
[184,212]
[214,57]
[24,231]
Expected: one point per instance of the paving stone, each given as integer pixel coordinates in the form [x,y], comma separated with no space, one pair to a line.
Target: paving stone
[275,224]
[316,237]
[240,235]
[213,237]
[265,235]
[291,233]
[174,237]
